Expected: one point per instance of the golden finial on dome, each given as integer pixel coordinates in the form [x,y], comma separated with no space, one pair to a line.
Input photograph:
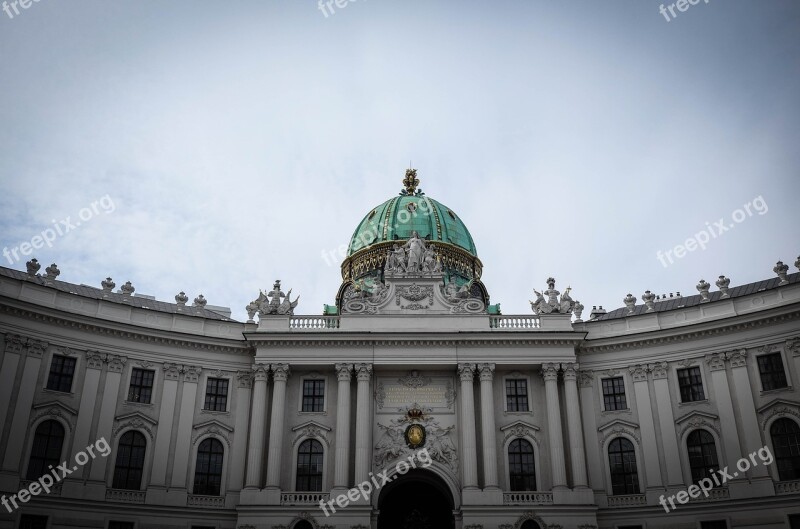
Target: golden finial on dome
[410,182]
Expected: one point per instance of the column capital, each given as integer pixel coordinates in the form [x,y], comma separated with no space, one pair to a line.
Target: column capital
[738,358]
[244,379]
[639,372]
[116,363]
[280,372]
[585,378]
[363,372]
[486,371]
[344,372]
[171,371]
[550,372]
[570,370]
[191,373]
[260,372]
[715,361]
[793,346]
[466,372]
[659,370]
[14,344]
[36,347]
[94,360]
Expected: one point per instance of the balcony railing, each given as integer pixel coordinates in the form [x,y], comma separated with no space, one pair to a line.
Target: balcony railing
[719,493]
[209,502]
[125,496]
[303,498]
[528,498]
[54,489]
[787,487]
[514,322]
[310,323]
[627,500]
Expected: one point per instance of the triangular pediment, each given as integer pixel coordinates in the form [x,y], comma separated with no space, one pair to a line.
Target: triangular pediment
[618,423]
[57,405]
[697,415]
[313,424]
[136,415]
[212,422]
[777,402]
[519,424]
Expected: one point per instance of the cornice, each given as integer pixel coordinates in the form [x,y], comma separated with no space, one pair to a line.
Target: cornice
[398,340]
[130,332]
[661,337]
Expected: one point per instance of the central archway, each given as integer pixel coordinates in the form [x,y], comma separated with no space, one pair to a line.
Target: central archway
[417,500]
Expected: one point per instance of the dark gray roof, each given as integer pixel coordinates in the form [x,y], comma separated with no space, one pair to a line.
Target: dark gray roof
[113,297]
[690,301]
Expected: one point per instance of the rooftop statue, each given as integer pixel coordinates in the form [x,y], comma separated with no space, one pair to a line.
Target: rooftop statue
[415,248]
[273,303]
[552,304]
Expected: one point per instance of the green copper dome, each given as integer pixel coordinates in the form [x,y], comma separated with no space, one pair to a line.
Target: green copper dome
[398,217]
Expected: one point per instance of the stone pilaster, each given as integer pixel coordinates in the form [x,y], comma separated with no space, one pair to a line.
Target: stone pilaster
[489,436]
[12,354]
[166,415]
[183,436]
[469,459]
[593,455]
[255,451]
[280,374]
[363,423]
[574,427]
[752,440]
[244,388]
[115,364]
[652,465]
[722,392]
[666,422]
[91,383]
[342,459]
[555,435]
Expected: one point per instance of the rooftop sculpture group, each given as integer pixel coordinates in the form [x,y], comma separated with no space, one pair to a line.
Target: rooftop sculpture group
[413,257]
[552,304]
[273,303]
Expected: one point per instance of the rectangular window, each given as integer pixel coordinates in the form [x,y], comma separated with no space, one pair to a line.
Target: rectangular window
[121,525]
[62,368]
[794,521]
[691,384]
[716,524]
[141,389]
[516,394]
[30,521]
[216,394]
[614,394]
[313,395]
[772,373]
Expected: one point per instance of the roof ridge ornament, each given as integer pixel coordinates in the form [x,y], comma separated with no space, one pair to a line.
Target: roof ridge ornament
[410,183]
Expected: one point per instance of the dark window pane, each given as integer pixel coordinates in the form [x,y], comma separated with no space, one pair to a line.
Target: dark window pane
[46,450]
[62,369]
[208,470]
[121,525]
[622,463]
[309,466]
[216,394]
[786,442]
[521,468]
[691,384]
[716,524]
[30,521]
[130,461]
[313,395]
[614,394]
[141,388]
[702,454]
[516,394]
[773,376]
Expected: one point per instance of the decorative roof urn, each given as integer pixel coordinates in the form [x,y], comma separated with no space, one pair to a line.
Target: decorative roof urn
[33,267]
[52,272]
[630,302]
[781,269]
[649,301]
[722,283]
[703,287]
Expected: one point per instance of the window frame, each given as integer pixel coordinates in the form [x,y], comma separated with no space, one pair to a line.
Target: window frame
[517,378]
[610,474]
[769,426]
[130,385]
[47,518]
[703,384]
[715,443]
[32,444]
[296,474]
[323,397]
[223,469]
[624,393]
[206,395]
[522,474]
[50,373]
[786,375]
[133,432]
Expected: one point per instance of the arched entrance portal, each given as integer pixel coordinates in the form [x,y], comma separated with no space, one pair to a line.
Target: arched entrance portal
[417,500]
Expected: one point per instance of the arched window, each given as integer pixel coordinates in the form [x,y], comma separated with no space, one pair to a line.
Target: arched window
[309,466]
[130,461]
[786,442]
[622,462]
[46,450]
[521,468]
[303,524]
[208,470]
[530,524]
[702,454]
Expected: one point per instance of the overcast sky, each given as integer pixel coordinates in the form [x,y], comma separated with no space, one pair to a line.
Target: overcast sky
[239,141]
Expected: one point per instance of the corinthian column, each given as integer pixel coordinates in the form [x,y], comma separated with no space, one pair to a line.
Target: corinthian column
[574,428]
[489,436]
[550,375]
[342,469]
[363,423]
[280,373]
[469,460]
[255,453]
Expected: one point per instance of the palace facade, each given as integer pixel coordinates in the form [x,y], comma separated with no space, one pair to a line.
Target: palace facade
[542,420]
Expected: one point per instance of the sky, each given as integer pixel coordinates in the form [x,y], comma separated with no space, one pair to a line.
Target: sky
[226,145]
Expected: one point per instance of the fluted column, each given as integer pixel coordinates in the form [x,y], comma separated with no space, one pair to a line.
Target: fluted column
[280,373]
[342,468]
[363,423]
[574,427]
[489,436]
[469,453]
[550,375]
[255,451]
